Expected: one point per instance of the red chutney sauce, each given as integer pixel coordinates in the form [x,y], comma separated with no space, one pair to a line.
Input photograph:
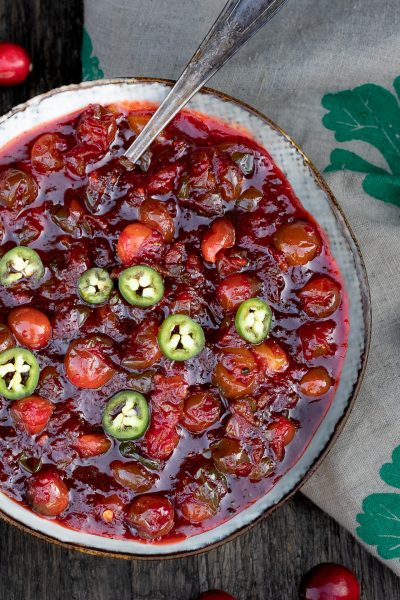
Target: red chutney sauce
[114,418]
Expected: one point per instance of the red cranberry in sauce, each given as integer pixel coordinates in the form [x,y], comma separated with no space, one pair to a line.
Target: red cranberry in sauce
[230,457]
[47,493]
[30,326]
[272,356]
[32,413]
[143,349]
[156,215]
[79,157]
[317,339]
[133,475]
[320,297]
[97,127]
[316,382]
[329,581]
[17,189]
[6,338]
[280,433]
[136,242]
[220,235]
[200,411]
[161,438]
[92,444]
[87,364]
[47,153]
[299,242]
[236,288]
[231,261]
[235,372]
[200,490]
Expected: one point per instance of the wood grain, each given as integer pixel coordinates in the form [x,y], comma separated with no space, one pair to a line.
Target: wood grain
[267,562]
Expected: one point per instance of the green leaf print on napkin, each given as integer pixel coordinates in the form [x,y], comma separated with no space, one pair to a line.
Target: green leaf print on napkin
[380,521]
[90,64]
[368,113]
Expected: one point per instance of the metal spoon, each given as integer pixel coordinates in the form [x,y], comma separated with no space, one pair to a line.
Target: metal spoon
[238,21]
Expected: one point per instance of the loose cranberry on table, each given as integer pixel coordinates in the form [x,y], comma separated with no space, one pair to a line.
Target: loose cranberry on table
[15,64]
[215,595]
[87,364]
[329,581]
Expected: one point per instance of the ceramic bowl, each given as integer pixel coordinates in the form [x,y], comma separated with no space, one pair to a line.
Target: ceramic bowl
[318,200]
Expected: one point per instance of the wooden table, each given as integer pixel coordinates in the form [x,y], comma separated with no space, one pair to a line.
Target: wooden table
[265,563]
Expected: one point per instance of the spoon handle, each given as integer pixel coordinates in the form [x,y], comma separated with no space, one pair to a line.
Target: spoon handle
[238,21]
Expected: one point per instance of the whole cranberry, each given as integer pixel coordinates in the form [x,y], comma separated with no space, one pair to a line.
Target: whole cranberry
[215,595]
[15,64]
[329,581]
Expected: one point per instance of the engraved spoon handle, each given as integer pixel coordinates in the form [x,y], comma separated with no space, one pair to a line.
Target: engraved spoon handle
[238,21]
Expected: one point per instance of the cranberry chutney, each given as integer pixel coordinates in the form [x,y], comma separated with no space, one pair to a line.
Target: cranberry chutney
[171,335]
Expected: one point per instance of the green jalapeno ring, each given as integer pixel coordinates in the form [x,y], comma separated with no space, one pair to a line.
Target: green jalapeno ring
[19,373]
[180,338]
[126,415]
[253,320]
[20,263]
[141,285]
[95,286]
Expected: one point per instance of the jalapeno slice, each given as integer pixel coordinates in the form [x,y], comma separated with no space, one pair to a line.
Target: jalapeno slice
[180,337]
[20,263]
[126,415]
[253,320]
[141,285]
[95,286]
[19,373]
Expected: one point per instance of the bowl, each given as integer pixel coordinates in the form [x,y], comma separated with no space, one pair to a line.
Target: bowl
[318,200]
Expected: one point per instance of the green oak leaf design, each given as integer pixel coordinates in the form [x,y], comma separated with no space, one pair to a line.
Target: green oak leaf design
[90,64]
[371,114]
[379,524]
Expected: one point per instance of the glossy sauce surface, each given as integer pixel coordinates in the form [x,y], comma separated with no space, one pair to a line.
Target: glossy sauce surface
[255,419]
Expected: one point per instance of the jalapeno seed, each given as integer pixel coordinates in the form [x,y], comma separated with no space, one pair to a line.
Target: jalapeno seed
[141,285]
[126,415]
[20,263]
[95,286]
[180,338]
[253,320]
[19,373]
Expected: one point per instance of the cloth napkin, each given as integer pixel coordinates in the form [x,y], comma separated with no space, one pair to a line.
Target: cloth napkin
[328,73]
